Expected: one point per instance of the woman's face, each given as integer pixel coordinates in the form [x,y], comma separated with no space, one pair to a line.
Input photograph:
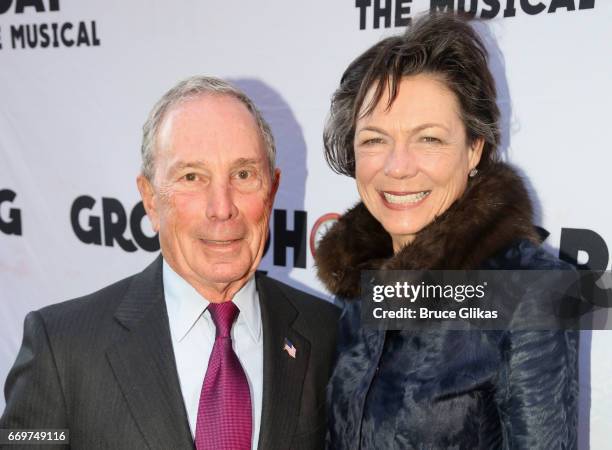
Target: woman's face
[413,159]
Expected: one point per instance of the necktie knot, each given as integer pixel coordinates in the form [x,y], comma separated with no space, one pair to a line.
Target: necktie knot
[223,315]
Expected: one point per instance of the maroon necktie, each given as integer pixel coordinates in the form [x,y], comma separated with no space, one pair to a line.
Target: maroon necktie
[224,413]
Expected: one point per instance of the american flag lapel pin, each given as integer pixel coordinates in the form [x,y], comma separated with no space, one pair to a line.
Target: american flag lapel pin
[289,348]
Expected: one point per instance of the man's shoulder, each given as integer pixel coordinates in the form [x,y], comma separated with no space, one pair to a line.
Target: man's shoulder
[314,318]
[100,300]
[98,305]
[309,305]
[302,300]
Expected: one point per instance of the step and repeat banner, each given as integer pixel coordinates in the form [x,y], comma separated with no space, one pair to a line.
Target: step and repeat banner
[78,77]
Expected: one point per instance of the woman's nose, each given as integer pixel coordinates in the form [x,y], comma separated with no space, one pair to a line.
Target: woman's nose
[401,162]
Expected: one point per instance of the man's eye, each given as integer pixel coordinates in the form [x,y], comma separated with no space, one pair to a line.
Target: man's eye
[243,174]
[190,177]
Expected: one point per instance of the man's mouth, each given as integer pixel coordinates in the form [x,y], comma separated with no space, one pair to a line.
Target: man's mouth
[401,198]
[220,242]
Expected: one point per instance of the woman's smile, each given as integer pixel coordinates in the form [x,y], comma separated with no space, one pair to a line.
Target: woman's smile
[403,200]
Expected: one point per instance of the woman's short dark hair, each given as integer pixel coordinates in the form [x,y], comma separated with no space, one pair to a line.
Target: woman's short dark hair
[443,45]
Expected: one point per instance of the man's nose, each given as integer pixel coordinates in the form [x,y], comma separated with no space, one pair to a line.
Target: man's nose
[401,162]
[220,203]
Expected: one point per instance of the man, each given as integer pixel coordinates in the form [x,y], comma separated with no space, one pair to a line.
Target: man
[197,350]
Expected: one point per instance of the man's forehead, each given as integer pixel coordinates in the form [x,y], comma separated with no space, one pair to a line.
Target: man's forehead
[209,107]
[210,124]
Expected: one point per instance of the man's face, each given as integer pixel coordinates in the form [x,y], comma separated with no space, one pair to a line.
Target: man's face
[212,193]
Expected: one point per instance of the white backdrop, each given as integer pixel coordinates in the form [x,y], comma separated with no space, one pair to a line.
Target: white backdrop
[77,79]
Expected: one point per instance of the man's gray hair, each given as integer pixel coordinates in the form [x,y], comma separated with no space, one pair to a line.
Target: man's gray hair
[186,90]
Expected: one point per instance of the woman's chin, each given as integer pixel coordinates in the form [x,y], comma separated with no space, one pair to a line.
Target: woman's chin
[404,227]
[401,236]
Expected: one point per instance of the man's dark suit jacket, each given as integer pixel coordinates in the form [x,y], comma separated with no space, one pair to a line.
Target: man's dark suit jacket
[103,367]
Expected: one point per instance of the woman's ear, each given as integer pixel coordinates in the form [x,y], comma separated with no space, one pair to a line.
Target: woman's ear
[475,152]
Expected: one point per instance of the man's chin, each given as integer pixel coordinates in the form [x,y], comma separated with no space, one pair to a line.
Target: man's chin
[226,273]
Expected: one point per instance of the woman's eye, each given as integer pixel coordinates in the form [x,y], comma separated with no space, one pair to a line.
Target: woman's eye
[431,139]
[372,141]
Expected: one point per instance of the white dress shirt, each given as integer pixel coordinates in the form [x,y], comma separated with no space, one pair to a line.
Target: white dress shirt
[193,335]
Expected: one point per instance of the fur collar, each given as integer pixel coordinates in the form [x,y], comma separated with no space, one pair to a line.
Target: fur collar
[494,211]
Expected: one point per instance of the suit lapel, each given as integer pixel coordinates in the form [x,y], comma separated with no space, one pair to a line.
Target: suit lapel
[283,376]
[144,365]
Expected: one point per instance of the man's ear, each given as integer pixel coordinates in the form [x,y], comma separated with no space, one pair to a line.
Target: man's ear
[275,183]
[274,188]
[475,150]
[149,200]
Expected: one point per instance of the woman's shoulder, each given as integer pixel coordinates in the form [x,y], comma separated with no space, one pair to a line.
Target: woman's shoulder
[525,254]
[350,318]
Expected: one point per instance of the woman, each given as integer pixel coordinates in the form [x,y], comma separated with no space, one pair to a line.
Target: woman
[415,122]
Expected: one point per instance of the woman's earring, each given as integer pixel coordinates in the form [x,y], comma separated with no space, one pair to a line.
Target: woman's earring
[473,172]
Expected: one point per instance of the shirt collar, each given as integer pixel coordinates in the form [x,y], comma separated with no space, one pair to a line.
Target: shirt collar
[186,306]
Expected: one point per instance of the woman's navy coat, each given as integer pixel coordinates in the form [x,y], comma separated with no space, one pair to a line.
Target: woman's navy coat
[449,389]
